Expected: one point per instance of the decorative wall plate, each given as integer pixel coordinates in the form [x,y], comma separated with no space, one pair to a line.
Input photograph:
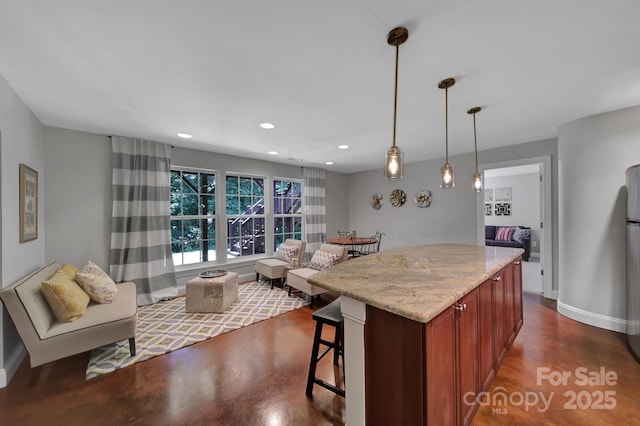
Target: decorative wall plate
[376,201]
[423,199]
[398,197]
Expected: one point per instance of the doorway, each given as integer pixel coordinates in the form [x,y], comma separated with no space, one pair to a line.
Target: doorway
[520,191]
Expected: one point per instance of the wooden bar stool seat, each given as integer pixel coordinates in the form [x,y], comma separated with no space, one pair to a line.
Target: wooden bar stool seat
[330,315]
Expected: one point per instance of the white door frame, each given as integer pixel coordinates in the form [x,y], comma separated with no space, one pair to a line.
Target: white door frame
[546,237]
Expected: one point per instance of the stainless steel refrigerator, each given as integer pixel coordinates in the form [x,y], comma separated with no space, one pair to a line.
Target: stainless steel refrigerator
[633,258]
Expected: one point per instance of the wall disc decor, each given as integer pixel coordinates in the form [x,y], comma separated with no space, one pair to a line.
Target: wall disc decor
[376,201]
[423,199]
[398,197]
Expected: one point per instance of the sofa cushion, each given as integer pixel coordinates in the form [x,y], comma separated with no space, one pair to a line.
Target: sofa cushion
[496,243]
[521,233]
[97,283]
[67,300]
[505,233]
[490,232]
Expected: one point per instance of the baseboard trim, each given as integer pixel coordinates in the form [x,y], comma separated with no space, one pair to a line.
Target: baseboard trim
[590,318]
[12,364]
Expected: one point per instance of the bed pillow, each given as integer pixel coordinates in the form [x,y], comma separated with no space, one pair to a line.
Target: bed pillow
[67,300]
[323,260]
[97,283]
[505,233]
[286,253]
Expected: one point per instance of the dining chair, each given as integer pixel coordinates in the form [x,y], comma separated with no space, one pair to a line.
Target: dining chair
[373,248]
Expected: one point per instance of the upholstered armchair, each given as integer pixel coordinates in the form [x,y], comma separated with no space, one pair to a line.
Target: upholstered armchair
[322,259]
[275,267]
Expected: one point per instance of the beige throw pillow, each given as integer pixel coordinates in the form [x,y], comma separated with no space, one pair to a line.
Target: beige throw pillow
[323,260]
[286,253]
[67,300]
[97,283]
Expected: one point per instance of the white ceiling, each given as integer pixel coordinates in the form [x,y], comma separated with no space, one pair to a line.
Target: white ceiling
[322,71]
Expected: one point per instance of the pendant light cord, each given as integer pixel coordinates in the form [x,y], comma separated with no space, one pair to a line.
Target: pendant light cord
[446,125]
[395,96]
[475,140]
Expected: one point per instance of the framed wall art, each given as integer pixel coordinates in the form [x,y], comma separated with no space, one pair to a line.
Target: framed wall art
[502,209]
[28,203]
[502,194]
[488,208]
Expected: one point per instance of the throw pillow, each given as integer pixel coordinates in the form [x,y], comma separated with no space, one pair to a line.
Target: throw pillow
[65,298]
[323,260]
[69,270]
[520,234]
[286,253]
[97,283]
[505,233]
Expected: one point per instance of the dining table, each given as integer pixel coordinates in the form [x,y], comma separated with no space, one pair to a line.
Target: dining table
[357,245]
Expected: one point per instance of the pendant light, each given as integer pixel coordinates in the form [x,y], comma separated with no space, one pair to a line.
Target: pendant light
[477,177]
[393,157]
[446,172]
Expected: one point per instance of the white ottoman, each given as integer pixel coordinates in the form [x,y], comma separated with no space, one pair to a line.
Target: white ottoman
[211,294]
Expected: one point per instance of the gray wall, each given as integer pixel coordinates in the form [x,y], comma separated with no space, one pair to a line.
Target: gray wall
[525,203]
[78,216]
[22,142]
[450,218]
[593,153]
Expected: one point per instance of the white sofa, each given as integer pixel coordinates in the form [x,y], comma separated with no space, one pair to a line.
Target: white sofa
[46,339]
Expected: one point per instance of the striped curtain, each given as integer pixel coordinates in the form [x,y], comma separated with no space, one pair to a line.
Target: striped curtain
[140,222]
[314,208]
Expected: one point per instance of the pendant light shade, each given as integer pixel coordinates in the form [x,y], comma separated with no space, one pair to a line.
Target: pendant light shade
[447,177]
[393,157]
[477,177]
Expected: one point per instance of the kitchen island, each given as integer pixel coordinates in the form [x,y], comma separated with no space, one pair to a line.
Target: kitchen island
[426,329]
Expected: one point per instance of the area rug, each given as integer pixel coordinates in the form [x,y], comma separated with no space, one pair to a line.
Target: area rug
[165,326]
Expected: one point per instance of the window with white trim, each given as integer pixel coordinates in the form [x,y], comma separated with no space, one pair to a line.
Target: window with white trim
[287,210]
[193,216]
[245,215]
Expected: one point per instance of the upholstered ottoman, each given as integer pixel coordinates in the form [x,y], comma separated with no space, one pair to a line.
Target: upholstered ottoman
[211,294]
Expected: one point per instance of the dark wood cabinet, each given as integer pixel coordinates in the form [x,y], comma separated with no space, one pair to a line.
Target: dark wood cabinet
[468,356]
[487,334]
[517,285]
[419,374]
[440,349]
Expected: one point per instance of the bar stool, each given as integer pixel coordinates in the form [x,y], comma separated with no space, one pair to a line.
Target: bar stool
[330,315]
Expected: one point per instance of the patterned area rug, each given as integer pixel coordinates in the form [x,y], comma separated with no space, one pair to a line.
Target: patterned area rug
[165,326]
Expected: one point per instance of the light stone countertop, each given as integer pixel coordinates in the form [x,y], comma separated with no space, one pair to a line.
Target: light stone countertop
[416,282]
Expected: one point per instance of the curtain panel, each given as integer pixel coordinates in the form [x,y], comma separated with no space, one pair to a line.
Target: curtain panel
[141,222]
[314,208]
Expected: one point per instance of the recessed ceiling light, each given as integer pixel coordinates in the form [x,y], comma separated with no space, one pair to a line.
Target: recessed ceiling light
[328,163]
[272,152]
[267,125]
[343,146]
[185,135]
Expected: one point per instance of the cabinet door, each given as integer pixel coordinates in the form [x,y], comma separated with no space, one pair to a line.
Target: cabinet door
[487,334]
[468,356]
[509,305]
[517,285]
[499,341]
[441,373]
